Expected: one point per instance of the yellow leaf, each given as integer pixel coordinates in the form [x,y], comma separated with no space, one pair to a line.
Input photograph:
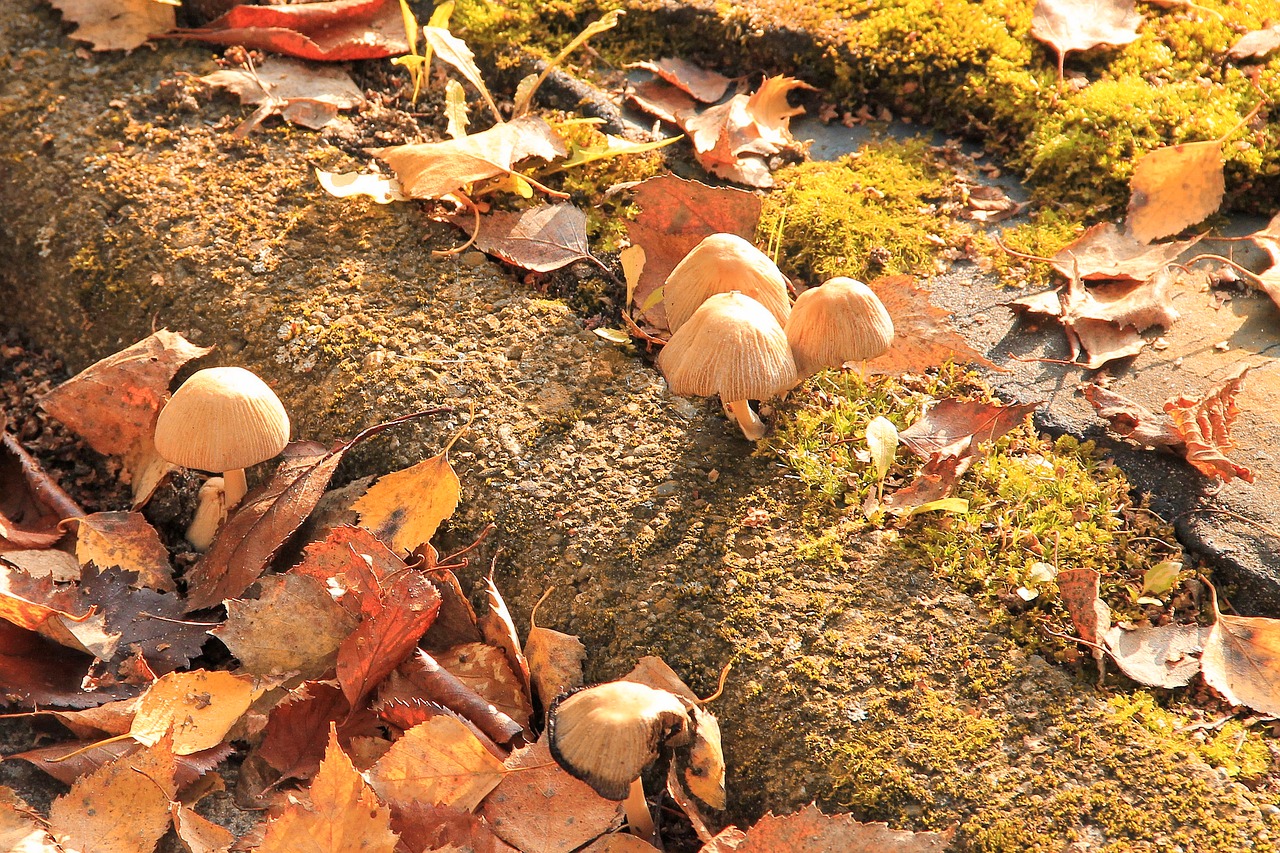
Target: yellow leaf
[19,831]
[200,707]
[404,508]
[1174,187]
[122,807]
[126,540]
[439,761]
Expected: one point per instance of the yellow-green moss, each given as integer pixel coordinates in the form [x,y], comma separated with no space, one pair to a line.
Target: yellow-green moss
[1048,230]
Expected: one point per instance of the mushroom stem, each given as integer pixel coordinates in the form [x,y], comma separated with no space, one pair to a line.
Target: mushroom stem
[209,514]
[636,808]
[752,426]
[235,486]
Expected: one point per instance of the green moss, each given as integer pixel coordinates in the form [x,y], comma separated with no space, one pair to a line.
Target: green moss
[870,213]
[1049,230]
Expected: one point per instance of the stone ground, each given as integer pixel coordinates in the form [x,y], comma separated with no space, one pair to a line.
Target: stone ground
[861,680]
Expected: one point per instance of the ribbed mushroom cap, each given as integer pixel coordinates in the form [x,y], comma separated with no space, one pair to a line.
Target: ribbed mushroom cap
[720,263]
[702,762]
[731,346]
[222,419]
[606,735]
[843,320]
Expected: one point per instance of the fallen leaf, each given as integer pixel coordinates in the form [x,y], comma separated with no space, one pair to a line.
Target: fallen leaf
[731,139]
[32,504]
[67,762]
[30,602]
[119,24]
[1256,44]
[1067,25]
[122,807]
[951,427]
[108,720]
[1241,660]
[436,169]
[456,622]
[301,94]
[331,30]
[439,761]
[923,334]
[1131,420]
[539,808]
[343,815]
[1174,187]
[294,738]
[57,566]
[990,204]
[405,508]
[706,86]
[620,842]
[653,671]
[485,669]
[934,483]
[38,673]
[499,630]
[293,626]
[811,830]
[540,239]
[125,540]
[113,404]
[676,215]
[199,834]
[427,827]
[1107,252]
[450,49]
[20,827]
[1161,656]
[198,708]
[664,101]
[436,684]
[1268,239]
[383,189]
[1078,589]
[555,659]
[1205,422]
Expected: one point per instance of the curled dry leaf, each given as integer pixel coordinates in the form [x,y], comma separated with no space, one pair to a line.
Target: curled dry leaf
[703,85]
[923,334]
[1268,239]
[810,829]
[31,503]
[1067,25]
[484,668]
[436,684]
[1159,656]
[37,673]
[116,25]
[1131,420]
[555,659]
[331,30]
[302,94]
[1107,252]
[199,834]
[1204,422]
[1175,187]
[499,630]
[439,761]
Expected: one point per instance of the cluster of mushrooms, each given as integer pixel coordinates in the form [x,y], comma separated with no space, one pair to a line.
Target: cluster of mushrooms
[736,333]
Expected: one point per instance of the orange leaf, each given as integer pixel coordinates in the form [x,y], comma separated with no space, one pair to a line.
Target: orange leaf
[118,25]
[199,834]
[200,707]
[555,659]
[332,30]
[923,334]
[439,761]
[126,540]
[123,807]
[404,508]
[1174,187]
[485,669]
[1204,423]
[20,830]
[810,829]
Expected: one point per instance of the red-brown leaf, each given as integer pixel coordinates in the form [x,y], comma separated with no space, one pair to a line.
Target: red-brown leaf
[334,30]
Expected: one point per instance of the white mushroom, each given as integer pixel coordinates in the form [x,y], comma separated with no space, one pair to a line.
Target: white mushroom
[842,320]
[719,264]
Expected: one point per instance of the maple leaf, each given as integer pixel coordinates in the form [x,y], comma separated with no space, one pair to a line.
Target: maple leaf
[540,239]
[331,30]
[125,540]
[117,25]
[923,334]
[113,404]
[1159,656]
[436,169]
[1107,252]
[439,761]
[1175,187]
[703,85]
[343,814]
[1067,25]
[301,94]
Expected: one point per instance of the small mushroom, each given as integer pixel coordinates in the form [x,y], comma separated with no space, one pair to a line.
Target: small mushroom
[608,734]
[222,419]
[731,346]
[210,511]
[702,762]
[841,320]
[719,264]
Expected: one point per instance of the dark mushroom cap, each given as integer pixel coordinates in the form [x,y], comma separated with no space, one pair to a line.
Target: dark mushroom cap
[608,734]
[720,263]
[702,761]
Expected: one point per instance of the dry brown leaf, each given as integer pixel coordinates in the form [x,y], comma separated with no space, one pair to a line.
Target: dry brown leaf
[331,30]
[426,827]
[343,815]
[293,626]
[122,807]
[1067,25]
[294,738]
[540,239]
[1078,589]
[70,760]
[934,482]
[1268,239]
[951,427]
[118,24]
[1241,660]
[1256,44]
[439,761]
[990,205]
[199,707]
[198,833]
[499,630]
[666,102]
[1107,252]
[456,622]
[811,830]
[539,808]
[485,669]
[433,683]
[731,139]
[654,672]
[1131,420]
[1205,422]
[127,541]
[1159,656]
[555,659]
[706,86]
[57,566]
[32,504]
[38,673]
[20,828]
[302,94]
[436,169]
[1175,187]
[676,215]
[923,335]
[113,404]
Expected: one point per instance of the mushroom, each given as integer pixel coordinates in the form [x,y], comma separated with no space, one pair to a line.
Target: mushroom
[608,734]
[841,320]
[210,511]
[731,346]
[222,419]
[720,263]
[702,763]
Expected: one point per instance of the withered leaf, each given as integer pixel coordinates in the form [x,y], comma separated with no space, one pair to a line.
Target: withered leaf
[1132,420]
[658,674]
[127,541]
[923,334]
[424,826]
[1256,44]
[540,239]
[1078,589]
[199,834]
[405,508]
[951,427]
[302,94]
[331,30]
[439,761]
[1107,252]
[706,86]
[1067,25]
[485,669]
[810,829]
[731,139]
[676,215]
[29,602]
[1268,239]
[57,566]
[293,626]
[35,672]
[198,707]
[437,684]
[343,813]
[294,738]
[1241,660]
[1205,422]
[666,102]
[539,808]
[67,762]
[31,502]
[555,659]
[1175,187]
[123,807]
[113,403]
[934,482]
[146,622]
[1160,656]
[456,621]
[118,25]
[20,831]
[499,629]
[436,169]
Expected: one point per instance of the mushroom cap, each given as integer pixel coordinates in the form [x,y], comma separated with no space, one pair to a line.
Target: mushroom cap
[731,346]
[222,419]
[702,762]
[842,320]
[606,735]
[720,263]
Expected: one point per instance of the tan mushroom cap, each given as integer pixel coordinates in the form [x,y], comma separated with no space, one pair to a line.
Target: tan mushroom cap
[719,264]
[606,735]
[222,419]
[731,346]
[842,320]
[702,764]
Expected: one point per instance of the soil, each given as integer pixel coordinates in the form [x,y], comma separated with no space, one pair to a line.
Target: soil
[860,679]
